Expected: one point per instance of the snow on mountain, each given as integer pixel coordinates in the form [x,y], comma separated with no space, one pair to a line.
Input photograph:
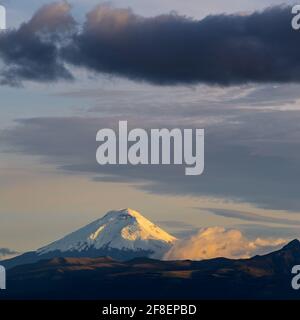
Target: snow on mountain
[125,230]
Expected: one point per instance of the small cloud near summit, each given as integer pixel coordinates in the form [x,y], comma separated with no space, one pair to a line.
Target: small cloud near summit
[7,253]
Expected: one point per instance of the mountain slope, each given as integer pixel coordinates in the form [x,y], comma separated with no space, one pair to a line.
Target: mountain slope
[123,230]
[260,277]
[122,235]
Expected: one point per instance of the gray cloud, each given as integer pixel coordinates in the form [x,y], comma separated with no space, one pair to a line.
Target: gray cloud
[31,52]
[256,230]
[250,156]
[7,252]
[220,49]
[250,216]
[166,49]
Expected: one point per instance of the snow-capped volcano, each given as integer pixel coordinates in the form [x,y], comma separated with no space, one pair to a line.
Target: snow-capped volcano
[120,234]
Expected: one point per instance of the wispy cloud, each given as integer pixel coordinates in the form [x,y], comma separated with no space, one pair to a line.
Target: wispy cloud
[250,216]
[257,163]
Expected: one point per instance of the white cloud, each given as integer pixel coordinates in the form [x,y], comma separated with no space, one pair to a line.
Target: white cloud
[219,242]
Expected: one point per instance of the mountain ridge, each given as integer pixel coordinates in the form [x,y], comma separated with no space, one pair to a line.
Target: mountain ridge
[261,277]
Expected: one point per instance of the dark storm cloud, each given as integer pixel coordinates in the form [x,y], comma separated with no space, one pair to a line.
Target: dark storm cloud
[31,52]
[166,49]
[172,49]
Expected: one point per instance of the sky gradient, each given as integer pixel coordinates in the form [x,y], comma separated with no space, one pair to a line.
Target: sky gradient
[57,93]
